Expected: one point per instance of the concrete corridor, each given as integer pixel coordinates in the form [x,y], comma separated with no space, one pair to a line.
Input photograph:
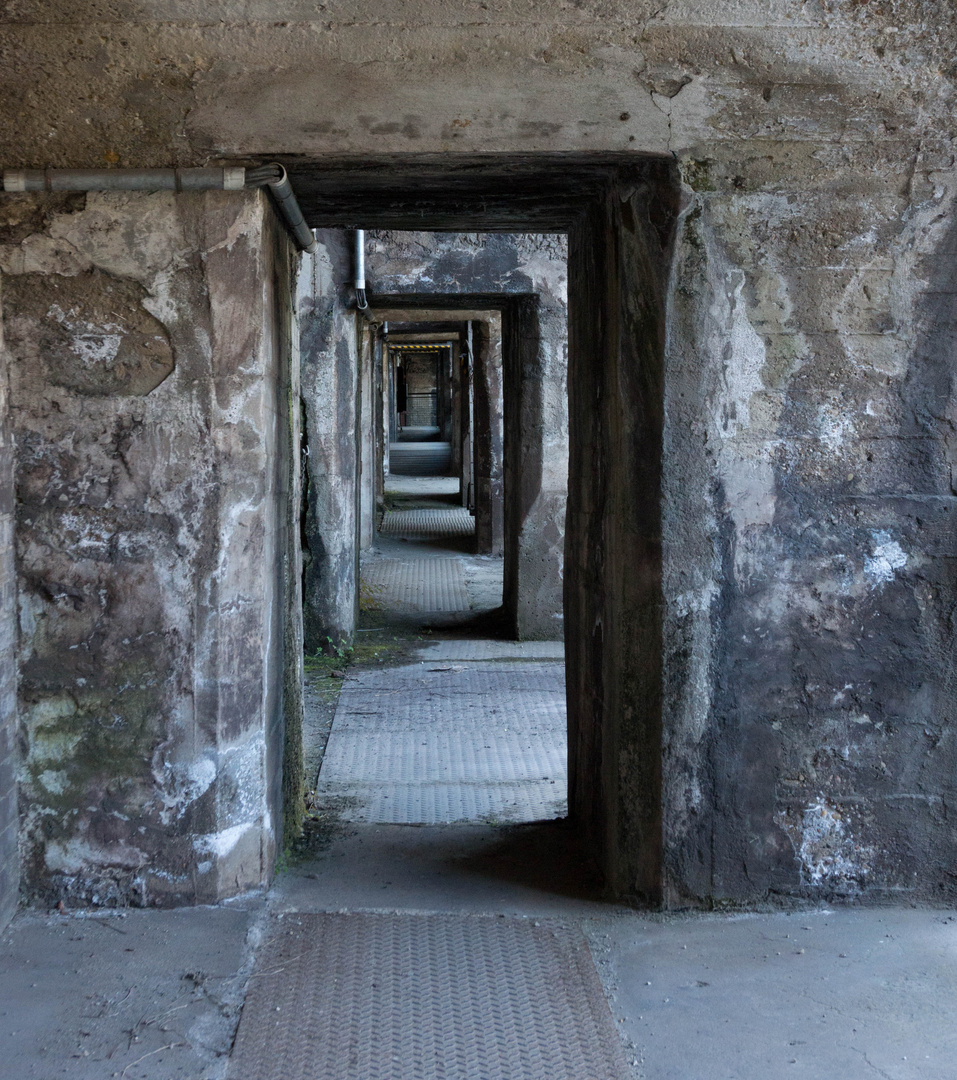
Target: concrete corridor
[471,729]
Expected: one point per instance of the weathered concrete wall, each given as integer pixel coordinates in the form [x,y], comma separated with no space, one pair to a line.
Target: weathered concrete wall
[285,735]
[368,419]
[488,436]
[151,82]
[148,407]
[330,396]
[9,818]
[536,460]
[433,262]
[808,507]
[807,728]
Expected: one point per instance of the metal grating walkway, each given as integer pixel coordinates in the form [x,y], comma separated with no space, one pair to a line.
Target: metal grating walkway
[420,458]
[431,584]
[425,997]
[453,521]
[434,743]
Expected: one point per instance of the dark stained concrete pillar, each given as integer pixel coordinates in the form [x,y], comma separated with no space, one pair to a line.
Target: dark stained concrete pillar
[455,409]
[613,568]
[488,440]
[367,434]
[466,409]
[536,465]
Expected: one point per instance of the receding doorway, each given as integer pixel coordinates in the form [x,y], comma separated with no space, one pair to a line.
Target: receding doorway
[619,214]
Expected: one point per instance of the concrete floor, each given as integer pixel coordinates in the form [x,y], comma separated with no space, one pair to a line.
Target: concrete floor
[814,994]
[809,995]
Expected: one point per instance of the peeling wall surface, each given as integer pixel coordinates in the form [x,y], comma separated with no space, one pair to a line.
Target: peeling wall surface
[9,818]
[809,535]
[434,262]
[330,388]
[140,333]
[808,742]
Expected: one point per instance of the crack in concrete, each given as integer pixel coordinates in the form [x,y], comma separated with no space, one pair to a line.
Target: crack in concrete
[666,113]
[876,1068]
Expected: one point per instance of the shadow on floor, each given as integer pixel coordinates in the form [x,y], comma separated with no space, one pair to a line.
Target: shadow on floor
[543,855]
[412,546]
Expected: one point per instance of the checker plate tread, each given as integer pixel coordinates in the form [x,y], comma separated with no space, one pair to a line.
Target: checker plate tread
[431,744]
[456,521]
[418,584]
[425,997]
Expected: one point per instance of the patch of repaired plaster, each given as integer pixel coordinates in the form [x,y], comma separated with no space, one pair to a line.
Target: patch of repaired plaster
[74,331]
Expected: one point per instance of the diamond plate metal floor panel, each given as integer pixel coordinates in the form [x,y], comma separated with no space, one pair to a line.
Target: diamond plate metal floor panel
[425,997]
[422,486]
[529,715]
[435,743]
[446,804]
[410,757]
[417,584]
[454,521]
[449,677]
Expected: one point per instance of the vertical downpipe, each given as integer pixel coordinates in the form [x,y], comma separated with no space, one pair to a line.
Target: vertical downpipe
[360,261]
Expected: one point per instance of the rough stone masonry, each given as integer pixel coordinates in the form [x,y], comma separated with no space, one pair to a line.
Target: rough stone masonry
[808,493]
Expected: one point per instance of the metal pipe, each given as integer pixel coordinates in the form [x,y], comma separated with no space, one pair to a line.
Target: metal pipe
[360,283]
[274,177]
[232,178]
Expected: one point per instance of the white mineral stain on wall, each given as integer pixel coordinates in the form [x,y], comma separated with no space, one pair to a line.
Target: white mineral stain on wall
[201,773]
[745,466]
[825,846]
[827,849]
[547,273]
[54,780]
[834,429]
[181,784]
[887,557]
[78,855]
[222,843]
[745,360]
[94,346]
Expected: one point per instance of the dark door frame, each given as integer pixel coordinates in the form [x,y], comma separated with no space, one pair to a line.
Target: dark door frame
[619,212]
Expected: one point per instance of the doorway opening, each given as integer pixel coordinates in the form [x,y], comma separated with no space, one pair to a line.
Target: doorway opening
[442,379]
[618,213]
[425,478]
